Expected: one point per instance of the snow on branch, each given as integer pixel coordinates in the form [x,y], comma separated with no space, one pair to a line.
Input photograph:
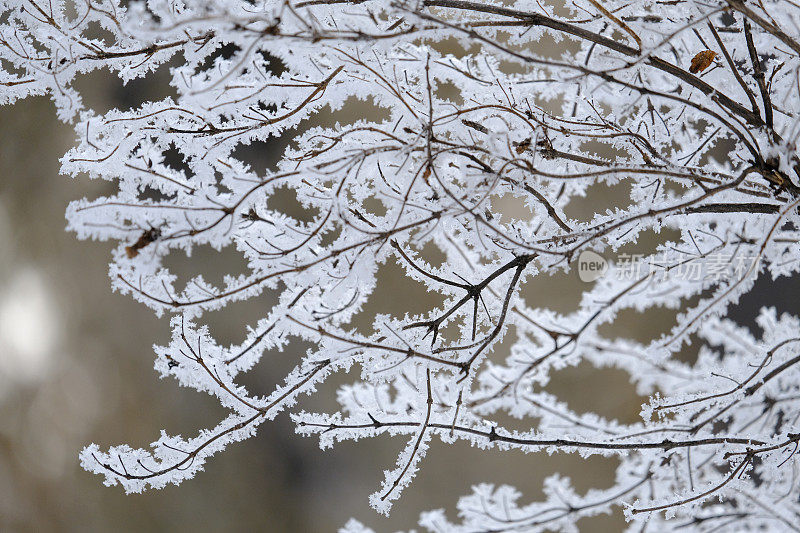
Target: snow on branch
[664,126]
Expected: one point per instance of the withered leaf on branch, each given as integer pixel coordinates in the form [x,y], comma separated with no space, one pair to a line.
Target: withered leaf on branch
[146,238]
[475,126]
[523,145]
[702,61]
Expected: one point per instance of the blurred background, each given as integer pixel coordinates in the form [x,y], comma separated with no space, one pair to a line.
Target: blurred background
[76,367]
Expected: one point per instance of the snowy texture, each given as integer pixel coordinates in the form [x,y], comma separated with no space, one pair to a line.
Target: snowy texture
[689,108]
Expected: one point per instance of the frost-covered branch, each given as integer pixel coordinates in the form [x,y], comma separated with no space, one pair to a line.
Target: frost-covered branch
[664,126]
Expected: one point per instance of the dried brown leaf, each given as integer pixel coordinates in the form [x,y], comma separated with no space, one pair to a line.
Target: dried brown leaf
[702,61]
